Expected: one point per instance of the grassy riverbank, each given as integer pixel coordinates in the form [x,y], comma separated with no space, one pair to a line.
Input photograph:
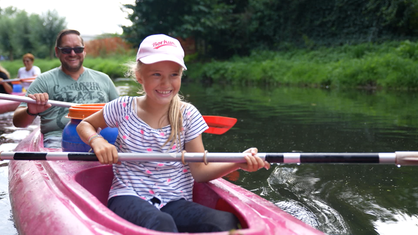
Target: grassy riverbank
[388,65]
[113,66]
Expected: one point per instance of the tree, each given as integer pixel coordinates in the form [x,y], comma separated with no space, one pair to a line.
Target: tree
[21,33]
[8,31]
[236,27]
[45,31]
[203,19]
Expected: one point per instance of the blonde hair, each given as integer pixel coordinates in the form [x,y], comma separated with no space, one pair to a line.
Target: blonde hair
[175,110]
[4,71]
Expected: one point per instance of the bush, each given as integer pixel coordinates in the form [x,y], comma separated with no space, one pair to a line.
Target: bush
[391,64]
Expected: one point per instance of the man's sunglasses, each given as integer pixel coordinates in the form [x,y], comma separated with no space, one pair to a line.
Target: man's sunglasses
[67,50]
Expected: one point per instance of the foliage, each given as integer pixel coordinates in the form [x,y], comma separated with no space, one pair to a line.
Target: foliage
[112,66]
[224,28]
[7,33]
[210,22]
[107,46]
[388,65]
[21,33]
[202,19]
[391,65]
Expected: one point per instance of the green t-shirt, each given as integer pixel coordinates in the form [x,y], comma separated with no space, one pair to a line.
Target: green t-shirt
[91,87]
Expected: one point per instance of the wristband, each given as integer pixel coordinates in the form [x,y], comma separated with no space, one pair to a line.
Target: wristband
[31,114]
[93,137]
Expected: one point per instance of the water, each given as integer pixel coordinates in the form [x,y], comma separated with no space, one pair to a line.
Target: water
[10,136]
[334,198]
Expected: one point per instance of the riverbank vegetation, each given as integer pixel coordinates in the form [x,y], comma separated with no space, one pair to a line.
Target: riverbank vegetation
[386,65]
[332,43]
[391,65]
[113,66]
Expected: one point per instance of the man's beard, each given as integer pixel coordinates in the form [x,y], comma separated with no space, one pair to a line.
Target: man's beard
[68,68]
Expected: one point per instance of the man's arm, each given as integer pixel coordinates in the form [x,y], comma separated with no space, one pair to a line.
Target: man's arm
[21,118]
[24,116]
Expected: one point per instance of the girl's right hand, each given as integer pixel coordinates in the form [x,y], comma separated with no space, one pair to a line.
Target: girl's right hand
[105,152]
[254,163]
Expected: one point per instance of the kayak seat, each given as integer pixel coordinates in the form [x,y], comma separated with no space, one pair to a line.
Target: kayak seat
[205,195]
[98,180]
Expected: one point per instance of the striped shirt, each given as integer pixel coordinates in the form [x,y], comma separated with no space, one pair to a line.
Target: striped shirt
[167,181]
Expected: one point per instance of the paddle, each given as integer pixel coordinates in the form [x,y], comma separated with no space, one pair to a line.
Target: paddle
[398,158]
[19,80]
[217,125]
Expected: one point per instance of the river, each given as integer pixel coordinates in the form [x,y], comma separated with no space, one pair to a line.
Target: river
[334,198]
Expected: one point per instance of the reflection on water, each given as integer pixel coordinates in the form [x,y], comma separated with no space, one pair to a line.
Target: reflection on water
[334,198]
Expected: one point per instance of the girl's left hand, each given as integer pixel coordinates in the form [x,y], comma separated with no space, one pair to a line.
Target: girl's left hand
[254,163]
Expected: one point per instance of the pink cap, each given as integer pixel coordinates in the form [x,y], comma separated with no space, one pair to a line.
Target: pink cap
[160,47]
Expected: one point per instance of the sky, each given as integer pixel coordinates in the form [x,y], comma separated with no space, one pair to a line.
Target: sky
[89,17]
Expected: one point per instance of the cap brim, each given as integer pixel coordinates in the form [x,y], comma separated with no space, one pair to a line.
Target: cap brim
[158,58]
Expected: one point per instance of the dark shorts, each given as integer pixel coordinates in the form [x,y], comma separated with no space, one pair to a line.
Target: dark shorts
[176,216]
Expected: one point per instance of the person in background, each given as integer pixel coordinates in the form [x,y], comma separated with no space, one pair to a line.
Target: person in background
[5,87]
[158,195]
[71,82]
[30,70]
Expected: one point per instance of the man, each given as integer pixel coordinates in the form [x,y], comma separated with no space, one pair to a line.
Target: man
[71,82]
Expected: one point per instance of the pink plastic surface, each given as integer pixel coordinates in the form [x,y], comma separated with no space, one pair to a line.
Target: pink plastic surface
[63,197]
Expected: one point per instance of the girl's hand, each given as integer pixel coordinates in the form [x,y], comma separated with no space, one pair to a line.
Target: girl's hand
[105,152]
[254,163]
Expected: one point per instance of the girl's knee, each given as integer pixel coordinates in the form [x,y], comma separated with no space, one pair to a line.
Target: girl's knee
[141,213]
[162,222]
[224,222]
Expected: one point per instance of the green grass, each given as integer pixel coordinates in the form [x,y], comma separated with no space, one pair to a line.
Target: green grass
[388,65]
[112,66]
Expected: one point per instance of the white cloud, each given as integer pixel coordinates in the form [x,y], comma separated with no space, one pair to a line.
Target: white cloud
[90,17]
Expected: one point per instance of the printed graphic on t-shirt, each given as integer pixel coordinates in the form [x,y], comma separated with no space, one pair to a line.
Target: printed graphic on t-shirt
[82,92]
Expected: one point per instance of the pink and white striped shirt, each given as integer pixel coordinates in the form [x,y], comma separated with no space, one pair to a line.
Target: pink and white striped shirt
[167,181]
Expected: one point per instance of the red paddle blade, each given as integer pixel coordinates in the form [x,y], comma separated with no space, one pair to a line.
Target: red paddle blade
[219,125]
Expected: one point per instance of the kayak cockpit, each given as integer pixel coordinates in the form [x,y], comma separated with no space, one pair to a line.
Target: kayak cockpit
[98,180]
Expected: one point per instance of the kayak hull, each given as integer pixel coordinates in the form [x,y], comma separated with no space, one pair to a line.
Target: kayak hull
[68,197]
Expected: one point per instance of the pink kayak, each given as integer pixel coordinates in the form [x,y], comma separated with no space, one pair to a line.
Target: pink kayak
[70,197]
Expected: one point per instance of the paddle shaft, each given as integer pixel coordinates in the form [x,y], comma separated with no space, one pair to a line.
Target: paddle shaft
[17,80]
[217,124]
[398,158]
[29,100]
[12,80]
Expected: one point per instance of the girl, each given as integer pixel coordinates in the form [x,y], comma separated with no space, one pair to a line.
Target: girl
[158,195]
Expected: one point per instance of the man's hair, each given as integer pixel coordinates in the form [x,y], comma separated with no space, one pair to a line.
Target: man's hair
[66,32]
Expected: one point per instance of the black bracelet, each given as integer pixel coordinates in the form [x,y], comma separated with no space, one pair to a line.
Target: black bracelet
[32,114]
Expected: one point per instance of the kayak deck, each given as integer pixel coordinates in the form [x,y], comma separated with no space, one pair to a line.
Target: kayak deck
[63,197]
